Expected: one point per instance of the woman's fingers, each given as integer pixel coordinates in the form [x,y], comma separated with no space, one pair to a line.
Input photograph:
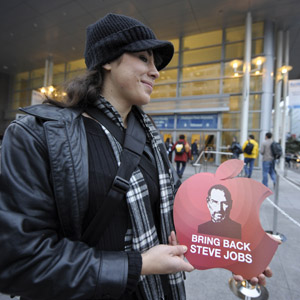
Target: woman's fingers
[165,259]
[260,279]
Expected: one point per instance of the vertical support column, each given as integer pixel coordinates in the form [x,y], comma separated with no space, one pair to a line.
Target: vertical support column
[278,86]
[46,73]
[267,80]
[285,94]
[50,71]
[246,81]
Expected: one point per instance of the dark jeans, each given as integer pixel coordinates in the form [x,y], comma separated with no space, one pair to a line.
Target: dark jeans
[180,166]
[268,168]
[249,163]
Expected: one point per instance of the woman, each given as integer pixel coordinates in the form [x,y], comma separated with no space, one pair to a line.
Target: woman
[58,166]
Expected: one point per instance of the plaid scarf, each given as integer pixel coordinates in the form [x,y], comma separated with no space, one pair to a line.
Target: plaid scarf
[143,234]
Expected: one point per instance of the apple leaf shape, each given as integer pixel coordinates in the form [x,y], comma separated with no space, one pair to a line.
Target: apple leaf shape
[217,217]
[229,169]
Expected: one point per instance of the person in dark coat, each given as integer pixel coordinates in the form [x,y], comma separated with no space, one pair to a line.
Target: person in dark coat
[195,151]
[169,146]
[235,148]
[57,165]
[59,162]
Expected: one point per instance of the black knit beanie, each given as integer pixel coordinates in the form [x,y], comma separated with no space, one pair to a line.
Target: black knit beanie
[113,35]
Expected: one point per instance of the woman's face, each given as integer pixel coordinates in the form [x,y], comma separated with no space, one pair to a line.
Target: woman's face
[130,78]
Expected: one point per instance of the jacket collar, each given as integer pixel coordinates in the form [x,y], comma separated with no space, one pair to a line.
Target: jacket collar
[52,113]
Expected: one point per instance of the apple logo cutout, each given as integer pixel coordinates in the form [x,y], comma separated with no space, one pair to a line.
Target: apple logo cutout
[217,217]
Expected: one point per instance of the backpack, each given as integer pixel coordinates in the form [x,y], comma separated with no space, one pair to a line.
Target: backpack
[179,148]
[248,149]
[276,150]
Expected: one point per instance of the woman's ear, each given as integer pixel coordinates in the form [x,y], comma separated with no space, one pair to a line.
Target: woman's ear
[107,67]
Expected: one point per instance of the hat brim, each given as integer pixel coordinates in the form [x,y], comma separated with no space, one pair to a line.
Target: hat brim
[163,49]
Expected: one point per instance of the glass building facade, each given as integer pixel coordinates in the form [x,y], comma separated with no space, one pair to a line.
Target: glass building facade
[198,94]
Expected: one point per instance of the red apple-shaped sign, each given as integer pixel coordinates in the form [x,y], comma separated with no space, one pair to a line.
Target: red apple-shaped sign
[217,217]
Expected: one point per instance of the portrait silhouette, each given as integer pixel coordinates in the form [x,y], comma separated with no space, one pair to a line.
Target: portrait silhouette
[219,203]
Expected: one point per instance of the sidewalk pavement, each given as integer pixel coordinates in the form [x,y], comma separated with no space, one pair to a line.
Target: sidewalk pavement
[213,283]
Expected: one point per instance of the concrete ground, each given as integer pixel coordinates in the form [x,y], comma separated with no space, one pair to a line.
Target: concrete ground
[213,283]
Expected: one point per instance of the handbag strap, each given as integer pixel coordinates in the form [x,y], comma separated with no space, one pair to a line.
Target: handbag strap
[133,142]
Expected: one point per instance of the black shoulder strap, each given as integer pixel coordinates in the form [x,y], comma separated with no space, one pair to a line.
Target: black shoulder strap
[133,146]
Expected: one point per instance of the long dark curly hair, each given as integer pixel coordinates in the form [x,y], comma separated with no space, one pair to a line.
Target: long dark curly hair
[81,90]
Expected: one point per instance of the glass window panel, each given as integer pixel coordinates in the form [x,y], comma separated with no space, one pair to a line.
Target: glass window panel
[58,78]
[232,120]
[175,43]
[235,103]
[234,50]
[255,83]
[164,91]
[59,68]
[200,88]
[21,99]
[257,47]
[21,85]
[232,85]
[258,29]
[38,73]
[235,34]
[255,102]
[174,61]
[167,76]
[254,121]
[37,83]
[202,40]
[22,76]
[76,65]
[192,105]
[201,55]
[160,106]
[201,72]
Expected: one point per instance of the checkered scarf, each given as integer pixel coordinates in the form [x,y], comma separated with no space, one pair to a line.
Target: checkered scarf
[143,234]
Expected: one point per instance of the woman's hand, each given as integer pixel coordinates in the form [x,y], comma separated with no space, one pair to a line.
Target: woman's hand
[166,259]
[173,239]
[260,279]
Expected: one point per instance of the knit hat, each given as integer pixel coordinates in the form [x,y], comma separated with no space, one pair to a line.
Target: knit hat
[113,35]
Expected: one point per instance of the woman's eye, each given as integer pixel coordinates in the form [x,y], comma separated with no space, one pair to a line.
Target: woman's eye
[143,58]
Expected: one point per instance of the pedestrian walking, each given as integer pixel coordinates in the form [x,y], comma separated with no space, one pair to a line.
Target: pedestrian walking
[235,148]
[182,154]
[169,144]
[268,165]
[250,150]
[195,151]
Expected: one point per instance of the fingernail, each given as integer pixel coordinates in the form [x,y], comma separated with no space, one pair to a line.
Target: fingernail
[185,249]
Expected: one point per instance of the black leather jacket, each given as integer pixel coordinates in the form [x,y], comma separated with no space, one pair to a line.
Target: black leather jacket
[44,196]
